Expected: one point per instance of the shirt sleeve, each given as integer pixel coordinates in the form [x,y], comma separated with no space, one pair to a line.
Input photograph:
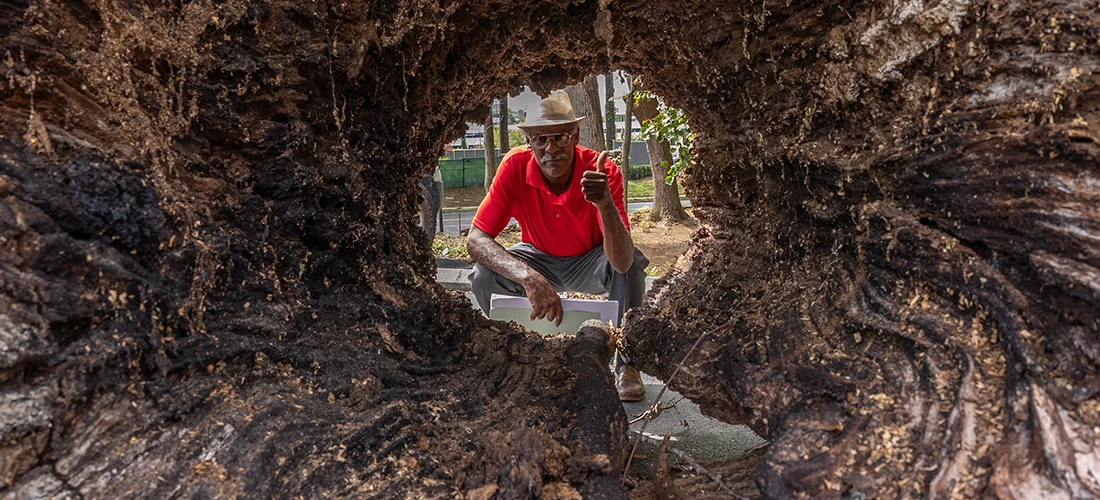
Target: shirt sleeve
[615,184]
[496,209]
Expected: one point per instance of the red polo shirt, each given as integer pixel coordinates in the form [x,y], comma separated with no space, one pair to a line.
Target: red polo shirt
[562,225]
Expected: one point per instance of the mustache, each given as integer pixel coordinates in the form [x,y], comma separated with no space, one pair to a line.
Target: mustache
[552,157]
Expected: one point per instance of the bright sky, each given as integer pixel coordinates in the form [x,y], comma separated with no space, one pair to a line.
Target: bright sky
[530,99]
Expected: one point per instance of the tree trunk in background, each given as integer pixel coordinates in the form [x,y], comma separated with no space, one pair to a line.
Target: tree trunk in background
[490,149]
[585,97]
[609,110]
[627,130]
[504,145]
[666,197]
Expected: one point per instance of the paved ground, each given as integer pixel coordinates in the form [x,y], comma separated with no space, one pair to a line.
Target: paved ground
[698,435]
[453,222]
[702,437]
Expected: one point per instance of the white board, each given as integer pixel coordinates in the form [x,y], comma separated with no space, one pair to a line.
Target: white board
[577,311]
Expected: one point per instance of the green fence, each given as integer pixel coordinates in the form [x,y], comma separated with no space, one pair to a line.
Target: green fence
[462,173]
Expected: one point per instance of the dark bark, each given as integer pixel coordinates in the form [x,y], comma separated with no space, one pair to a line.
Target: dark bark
[212,283]
[599,438]
[737,475]
[514,463]
[666,197]
[585,97]
[894,218]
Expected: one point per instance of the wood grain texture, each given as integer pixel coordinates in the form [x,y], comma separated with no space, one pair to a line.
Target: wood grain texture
[212,284]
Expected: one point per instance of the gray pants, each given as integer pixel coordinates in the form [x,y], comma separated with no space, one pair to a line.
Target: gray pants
[588,273]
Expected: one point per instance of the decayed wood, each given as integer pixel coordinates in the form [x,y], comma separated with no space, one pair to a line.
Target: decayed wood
[210,280]
[599,437]
[907,191]
[211,283]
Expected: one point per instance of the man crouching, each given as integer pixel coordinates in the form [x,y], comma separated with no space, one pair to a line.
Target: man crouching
[568,200]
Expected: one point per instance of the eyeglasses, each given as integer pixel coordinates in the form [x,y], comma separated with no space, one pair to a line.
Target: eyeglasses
[541,141]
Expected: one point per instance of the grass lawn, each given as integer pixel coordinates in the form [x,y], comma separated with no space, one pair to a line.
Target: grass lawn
[641,188]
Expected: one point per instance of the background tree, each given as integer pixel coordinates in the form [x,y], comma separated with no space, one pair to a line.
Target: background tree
[666,192]
[504,142]
[490,149]
[627,130]
[585,97]
[609,110]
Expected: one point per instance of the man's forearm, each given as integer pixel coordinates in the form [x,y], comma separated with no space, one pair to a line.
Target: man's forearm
[491,254]
[545,302]
[617,244]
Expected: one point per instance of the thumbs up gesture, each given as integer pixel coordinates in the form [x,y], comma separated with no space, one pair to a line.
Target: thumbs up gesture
[594,183]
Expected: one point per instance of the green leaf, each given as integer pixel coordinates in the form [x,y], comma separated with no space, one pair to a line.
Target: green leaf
[670,125]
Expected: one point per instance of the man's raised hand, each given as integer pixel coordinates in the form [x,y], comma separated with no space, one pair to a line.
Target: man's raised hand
[594,183]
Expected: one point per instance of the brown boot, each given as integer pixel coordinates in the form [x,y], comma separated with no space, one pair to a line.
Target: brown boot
[629,383]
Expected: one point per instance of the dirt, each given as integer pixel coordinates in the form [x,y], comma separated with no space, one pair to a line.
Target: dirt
[661,242]
[211,283]
[466,197]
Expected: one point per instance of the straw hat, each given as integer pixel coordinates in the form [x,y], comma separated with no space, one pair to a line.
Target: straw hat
[554,110]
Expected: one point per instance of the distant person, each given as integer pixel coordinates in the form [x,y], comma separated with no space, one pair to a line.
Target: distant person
[431,188]
[575,234]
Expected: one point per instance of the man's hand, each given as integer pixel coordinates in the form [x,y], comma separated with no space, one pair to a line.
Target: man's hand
[545,302]
[594,183]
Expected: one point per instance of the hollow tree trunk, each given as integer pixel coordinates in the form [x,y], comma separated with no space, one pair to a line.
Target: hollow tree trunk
[900,229]
[210,279]
[666,197]
[585,97]
[211,283]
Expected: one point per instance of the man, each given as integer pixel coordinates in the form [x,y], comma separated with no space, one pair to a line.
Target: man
[431,188]
[568,200]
